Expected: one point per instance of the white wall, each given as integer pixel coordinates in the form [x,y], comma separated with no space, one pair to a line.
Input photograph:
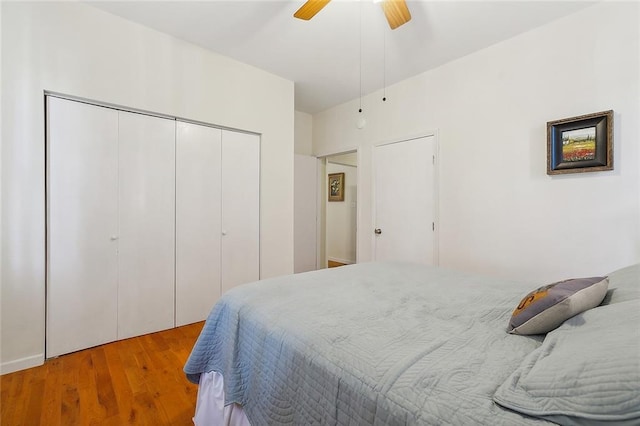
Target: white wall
[348,159]
[305,213]
[305,196]
[303,131]
[341,216]
[500,213]
[73,48]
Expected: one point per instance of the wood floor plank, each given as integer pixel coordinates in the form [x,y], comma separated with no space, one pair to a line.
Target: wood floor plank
[52,399]
[120,382]
[70,400]
[147,411]
[104,384]
[18,390]
[34,406]
[6,385]
[138,381]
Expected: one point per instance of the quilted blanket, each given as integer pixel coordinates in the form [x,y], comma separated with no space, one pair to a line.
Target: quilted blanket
[373,343]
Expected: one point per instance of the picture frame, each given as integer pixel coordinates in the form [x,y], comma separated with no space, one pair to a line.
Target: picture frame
[580,144]
[336,187]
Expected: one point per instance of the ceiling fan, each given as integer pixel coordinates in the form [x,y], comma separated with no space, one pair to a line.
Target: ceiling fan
[396,11]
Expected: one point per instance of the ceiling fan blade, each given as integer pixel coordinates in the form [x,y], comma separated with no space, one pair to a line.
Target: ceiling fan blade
[310,8]
[397,12]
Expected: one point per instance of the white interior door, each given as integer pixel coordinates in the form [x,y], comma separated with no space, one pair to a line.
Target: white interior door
[304,213]
[240,208]
[82,224]
[405,201]
[198,219]
[147,220]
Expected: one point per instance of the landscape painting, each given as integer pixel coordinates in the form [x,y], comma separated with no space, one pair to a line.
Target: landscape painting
[579,144]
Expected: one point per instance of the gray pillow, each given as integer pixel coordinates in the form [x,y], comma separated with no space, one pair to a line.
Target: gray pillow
[547,307]
[586,372]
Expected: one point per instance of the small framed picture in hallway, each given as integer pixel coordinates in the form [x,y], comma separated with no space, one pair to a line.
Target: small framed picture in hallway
[336,187]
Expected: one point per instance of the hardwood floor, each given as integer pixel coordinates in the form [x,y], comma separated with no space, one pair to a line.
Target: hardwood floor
[135,381]
[333,264]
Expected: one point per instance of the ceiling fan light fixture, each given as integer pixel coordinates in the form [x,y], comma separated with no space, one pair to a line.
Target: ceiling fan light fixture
[361,123]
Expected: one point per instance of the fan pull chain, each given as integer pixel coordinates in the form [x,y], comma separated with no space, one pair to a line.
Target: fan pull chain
[360,57]
[384,66]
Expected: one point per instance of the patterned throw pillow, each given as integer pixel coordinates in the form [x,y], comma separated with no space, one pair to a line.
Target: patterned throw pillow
[547,307]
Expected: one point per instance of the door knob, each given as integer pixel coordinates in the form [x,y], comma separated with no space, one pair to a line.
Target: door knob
[378,231]
[113,237]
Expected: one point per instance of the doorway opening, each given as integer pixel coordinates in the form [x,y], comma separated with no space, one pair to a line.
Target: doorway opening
[338,209]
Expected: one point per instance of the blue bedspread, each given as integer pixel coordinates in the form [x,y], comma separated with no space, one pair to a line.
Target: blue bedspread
[374,343]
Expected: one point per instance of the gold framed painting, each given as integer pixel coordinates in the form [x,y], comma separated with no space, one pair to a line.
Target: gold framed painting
[336,187]
[580,144]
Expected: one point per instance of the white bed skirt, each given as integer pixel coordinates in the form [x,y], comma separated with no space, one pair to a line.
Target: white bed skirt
[210,408]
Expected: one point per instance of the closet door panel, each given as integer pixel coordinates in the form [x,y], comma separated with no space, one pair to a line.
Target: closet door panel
[198,218]
[82,188]
[147,224]
[240,208]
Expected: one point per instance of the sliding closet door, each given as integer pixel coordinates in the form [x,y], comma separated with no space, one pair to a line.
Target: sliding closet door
[147,219]
[240,208]
[82,225]
[198,219]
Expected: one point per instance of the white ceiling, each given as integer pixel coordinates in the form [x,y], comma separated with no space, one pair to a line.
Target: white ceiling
[322,56]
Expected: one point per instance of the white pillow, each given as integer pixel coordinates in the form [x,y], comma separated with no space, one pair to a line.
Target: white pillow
[547,307]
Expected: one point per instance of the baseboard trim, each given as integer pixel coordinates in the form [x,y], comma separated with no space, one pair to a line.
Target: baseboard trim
[21,364]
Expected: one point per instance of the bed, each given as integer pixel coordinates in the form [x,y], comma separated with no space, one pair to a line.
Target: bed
[405,344]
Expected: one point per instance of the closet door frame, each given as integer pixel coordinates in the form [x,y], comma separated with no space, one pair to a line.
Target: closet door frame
[254,273]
